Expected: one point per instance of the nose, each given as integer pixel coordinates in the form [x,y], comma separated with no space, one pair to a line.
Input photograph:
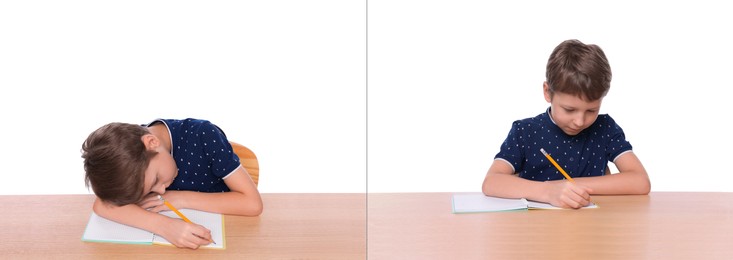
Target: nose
[578,121]
[160,189]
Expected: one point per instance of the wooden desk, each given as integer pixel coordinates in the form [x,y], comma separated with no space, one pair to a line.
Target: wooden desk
[301,226]
[661,225]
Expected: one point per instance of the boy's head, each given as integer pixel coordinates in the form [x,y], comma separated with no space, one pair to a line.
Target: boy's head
[115,161]
[578,77]
[578,69]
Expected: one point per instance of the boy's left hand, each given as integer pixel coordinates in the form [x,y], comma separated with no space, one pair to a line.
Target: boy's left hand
[153,202]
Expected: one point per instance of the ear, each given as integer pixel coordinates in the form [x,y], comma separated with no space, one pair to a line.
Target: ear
[548,93]
[151,142]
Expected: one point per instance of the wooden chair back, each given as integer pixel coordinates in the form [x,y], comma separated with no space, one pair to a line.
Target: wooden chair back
[248,160]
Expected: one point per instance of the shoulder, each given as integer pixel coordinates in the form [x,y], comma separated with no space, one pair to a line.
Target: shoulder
[195,122]
[172,124]
[538,121]
[607,123]
[604,118]
[186,125]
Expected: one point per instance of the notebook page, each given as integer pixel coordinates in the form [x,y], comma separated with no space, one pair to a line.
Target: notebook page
[100,229]
[478,202]
[541,205]
[211,221]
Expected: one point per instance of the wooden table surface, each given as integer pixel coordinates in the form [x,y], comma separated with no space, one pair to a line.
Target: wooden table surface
[292,226]
[662,225]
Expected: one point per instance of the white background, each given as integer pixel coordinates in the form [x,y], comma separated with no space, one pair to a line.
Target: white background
[285,78]
[447,79]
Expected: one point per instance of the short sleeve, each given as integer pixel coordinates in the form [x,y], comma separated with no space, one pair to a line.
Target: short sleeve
[512,148]
[616,143]
[223,160]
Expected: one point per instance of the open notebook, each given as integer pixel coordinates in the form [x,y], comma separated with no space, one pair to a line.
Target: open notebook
[103,230]
[478,202]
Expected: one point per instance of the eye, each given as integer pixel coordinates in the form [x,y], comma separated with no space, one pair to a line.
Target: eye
[155,182]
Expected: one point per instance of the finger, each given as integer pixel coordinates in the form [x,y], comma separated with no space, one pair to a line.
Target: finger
[571,202]
[580,194]
[566,203]
[582,191]
[182,243]
[562,204]
[145,201]
[190,240]
[566,200]
[583,200]
[150,196]
[144,204]
[200,240]
[152,204]
[192,245]
[204,234]
[158,208]
[574,200]
[585,194]
[589,191]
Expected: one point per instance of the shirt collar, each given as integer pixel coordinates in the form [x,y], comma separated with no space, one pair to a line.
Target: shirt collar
[550,116]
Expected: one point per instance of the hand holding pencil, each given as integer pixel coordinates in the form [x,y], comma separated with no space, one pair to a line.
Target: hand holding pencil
[171,207]
[569,194]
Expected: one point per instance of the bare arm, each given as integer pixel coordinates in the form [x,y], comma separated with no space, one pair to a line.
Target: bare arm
[501,182]
[631,179]
[243,198]
[178,232]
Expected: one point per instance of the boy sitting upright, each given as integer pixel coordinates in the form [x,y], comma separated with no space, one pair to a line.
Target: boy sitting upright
[571,130]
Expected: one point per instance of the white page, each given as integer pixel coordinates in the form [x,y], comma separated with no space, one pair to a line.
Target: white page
[100,229]
[541,205]
[211,221]
[103,230]
[478,202]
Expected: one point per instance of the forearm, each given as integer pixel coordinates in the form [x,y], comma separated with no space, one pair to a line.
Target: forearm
[627,183]
[131,215]
[512,186]
[230,203]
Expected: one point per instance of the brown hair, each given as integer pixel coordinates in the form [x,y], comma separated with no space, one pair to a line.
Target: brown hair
[115,160]
[579,69]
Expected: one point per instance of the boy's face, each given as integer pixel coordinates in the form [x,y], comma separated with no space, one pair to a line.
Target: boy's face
[160,172]
[571,113]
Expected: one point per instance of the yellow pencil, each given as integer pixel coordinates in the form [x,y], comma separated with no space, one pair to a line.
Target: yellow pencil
[557,165]
[170,206]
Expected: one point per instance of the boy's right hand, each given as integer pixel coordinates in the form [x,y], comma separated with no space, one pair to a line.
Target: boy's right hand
[184,234]
[566,194]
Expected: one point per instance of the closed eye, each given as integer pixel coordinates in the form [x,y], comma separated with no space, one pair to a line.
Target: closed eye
[150,189]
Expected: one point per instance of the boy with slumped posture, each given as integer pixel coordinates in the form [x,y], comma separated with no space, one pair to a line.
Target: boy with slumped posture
[189,163]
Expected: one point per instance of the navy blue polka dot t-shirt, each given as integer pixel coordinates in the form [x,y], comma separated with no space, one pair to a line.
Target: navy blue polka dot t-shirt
[202,153]
[582,155]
